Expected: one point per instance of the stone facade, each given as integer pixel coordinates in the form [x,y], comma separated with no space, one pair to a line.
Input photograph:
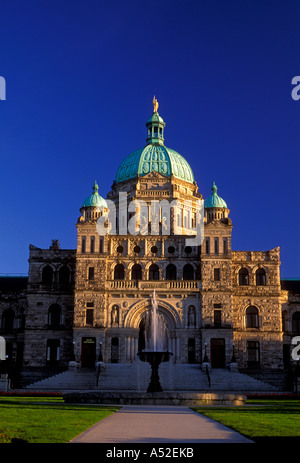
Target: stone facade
[222,307]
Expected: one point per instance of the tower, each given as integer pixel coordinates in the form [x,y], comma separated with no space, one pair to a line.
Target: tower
[216,280]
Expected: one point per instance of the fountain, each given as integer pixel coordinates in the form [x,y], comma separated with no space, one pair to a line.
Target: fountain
[156,343]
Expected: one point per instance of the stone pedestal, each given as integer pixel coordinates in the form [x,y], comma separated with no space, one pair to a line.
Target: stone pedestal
[72,365]
[233,367]
[205,367]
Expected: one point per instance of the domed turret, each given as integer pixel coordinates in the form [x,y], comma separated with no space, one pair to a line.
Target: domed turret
[214,200]
[215,206]
[94,200]
[93,206]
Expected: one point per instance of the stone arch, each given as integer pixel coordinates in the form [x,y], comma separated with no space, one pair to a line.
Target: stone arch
[239,267]
[47,272]
[137,311]
[188,272]
[171,272]
[251,316]
[54,315]
[239,271]
[260,266]
[64,274]
[118,262]
[136,272]
[154,272]
[134,262]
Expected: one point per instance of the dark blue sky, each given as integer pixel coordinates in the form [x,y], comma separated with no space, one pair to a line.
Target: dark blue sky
[80,77]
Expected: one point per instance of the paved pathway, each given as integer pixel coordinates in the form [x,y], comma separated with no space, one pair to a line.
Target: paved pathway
[158,423]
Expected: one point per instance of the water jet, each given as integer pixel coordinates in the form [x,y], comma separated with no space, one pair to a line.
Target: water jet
[156,342]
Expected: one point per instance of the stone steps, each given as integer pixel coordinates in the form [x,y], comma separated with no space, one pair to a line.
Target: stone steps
[136,377]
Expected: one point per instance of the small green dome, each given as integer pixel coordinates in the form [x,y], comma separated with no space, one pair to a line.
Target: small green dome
[214,200]
[155,118]
[94,200]
[155,158]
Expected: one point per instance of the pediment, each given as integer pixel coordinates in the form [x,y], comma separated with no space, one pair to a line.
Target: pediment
[154,175]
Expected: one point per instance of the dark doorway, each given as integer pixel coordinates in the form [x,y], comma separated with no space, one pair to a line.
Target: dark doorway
[191,350]
[53,349]
[114,350]
[217,353]
[88,352]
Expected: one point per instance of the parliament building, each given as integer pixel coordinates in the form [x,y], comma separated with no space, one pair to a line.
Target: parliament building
[220,306]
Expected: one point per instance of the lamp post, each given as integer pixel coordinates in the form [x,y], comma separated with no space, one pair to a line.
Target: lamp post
[233,359]
[100,352]
[205,358]
[100,362]
[233,365]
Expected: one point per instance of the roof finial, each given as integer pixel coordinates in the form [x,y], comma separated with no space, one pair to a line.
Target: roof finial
[155,105]
[95,187]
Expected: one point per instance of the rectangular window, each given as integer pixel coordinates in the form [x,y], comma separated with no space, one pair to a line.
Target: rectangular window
[53,350]
[217,318]
[207,246]
[253,356]
[90,304]
[225,246]
[91,273]
[89,317]
[92,249]
[101,245]
[216,274]
[217,246]
[83,244]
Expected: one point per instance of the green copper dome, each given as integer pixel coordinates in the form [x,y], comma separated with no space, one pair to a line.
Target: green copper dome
[214,200]
[95,200]
[155,157]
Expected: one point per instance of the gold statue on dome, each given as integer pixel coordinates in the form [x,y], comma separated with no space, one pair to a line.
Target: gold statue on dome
[155,105]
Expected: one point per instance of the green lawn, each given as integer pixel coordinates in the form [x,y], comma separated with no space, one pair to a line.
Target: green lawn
[50,420]
[46,420]
[259,418]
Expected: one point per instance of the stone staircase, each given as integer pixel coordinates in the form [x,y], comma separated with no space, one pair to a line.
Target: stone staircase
[136,376]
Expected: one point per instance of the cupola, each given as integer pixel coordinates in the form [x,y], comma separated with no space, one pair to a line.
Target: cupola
[93,206]
[215,206]
[155,126]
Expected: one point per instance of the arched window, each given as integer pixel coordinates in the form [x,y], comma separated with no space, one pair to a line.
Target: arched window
[153,272]
[251,317]
[54,316]
[8,317]
[243,277]
[64,275]
[171,272]
[260,277]
[136,272]
[47,275]
[188,272]
[296,322]
[119,272]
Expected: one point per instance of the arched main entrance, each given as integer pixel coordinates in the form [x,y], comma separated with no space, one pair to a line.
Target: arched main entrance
[135,323]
